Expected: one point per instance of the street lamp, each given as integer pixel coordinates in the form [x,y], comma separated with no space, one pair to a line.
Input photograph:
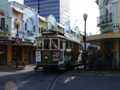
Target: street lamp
[84,37]
[84,40]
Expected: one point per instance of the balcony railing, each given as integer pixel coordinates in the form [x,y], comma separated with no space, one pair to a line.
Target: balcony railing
[104,20]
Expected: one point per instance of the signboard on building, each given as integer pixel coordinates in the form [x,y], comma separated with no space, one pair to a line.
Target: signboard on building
[38,56]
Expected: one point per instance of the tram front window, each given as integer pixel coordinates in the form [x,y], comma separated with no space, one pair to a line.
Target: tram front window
[54,44]
[46,43]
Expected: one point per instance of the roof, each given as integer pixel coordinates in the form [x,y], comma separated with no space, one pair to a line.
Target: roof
[113,35]
[72,38]
[66,36]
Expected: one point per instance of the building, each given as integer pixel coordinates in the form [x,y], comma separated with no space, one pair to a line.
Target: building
[58,8]
[109,39]
[18,30]
[106,16]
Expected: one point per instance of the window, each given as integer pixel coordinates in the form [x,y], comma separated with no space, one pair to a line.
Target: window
[46,43]
[106,2]
[34,29]
[54,43]
[68,45]
[2,24]
[25,26]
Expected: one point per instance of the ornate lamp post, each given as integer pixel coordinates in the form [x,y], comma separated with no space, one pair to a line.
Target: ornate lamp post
[84,40]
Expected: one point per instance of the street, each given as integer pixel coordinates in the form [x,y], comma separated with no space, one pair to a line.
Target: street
[70,80]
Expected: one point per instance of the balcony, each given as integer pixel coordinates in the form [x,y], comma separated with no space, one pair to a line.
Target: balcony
[3,26]
[104,20]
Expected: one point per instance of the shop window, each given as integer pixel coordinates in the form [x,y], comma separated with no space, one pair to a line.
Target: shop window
[46,43]
[54,43]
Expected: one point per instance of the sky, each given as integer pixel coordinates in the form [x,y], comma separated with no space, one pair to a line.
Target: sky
[77,9]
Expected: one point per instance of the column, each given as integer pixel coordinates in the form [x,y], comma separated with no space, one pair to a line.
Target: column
[9,55]
[23,60]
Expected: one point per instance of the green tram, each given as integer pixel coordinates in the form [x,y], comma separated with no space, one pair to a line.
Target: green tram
[58,51]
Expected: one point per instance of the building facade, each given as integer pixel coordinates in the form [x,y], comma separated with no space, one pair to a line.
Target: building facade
[106,16]
[58,8]
[109,39]
[18,30]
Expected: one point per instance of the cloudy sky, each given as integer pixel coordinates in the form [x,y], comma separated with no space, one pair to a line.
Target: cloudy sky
[77,9]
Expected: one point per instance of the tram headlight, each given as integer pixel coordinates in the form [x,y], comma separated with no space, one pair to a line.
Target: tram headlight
[46,57]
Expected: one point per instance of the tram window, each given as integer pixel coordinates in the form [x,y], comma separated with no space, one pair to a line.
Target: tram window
[46,43]
[54,43]
[61,44]
[68,45]
[40,45]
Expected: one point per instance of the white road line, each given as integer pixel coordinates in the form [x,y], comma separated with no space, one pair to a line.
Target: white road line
[69,79]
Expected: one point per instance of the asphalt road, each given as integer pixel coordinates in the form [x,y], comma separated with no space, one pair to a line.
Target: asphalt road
[71,80]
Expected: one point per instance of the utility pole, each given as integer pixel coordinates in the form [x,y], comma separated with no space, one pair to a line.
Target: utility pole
[38,6]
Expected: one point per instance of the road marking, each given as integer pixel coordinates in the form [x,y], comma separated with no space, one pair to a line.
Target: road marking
[68,79]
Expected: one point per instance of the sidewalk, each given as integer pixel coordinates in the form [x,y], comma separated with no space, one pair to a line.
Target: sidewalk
[9,70]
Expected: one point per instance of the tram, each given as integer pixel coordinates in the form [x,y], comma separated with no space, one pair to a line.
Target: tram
[58,51]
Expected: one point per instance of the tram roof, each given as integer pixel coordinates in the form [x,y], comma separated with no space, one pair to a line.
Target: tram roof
[72,38]
[66,36]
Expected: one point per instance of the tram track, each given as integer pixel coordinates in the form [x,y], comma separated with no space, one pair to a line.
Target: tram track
[53,82]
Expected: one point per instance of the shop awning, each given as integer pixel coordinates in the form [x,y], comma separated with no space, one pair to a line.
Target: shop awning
[114,35]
